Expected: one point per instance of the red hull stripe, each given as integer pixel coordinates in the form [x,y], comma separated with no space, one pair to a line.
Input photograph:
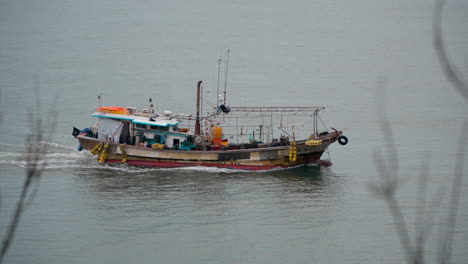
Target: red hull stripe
[169,164]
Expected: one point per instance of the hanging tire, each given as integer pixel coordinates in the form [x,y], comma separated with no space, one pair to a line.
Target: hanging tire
[343,140]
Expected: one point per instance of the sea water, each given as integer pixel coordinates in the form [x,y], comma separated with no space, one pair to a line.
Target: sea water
[56,57]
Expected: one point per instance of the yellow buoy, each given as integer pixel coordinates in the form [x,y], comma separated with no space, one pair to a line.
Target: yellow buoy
[124,153]
[313,142]
[103,156]
[292,152]
[96,149]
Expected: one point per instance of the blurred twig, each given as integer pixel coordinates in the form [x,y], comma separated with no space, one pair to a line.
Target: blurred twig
[36,146]
[447,240]
[450,70]
[420,228]
[456,79]
[387,167]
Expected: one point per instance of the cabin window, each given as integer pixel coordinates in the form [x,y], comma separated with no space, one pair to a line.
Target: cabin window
[162,128]
[157,138]
[140,125]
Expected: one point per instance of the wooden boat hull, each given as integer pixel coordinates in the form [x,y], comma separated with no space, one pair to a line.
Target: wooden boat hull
[265,158]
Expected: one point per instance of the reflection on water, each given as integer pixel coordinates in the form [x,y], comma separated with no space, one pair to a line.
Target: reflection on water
[153,199]
[132,181]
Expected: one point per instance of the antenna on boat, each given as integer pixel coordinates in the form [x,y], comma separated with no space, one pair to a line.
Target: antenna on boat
[219,73]
[226,75]
[99,99]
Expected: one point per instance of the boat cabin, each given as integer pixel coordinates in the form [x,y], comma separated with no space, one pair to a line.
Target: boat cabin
[157,130]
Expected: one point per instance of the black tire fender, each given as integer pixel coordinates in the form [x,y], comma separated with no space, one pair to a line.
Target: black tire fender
[343,140]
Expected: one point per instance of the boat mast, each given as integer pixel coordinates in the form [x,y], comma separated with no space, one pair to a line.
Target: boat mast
[201,101]
[315,120]
[219,73]
[226,75]
[197,120]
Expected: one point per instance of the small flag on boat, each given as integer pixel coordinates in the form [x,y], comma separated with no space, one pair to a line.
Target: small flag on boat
[76,131]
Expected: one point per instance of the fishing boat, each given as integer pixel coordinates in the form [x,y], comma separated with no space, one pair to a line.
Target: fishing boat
[145,137]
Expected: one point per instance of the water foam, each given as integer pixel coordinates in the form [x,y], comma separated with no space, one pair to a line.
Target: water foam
[57,156]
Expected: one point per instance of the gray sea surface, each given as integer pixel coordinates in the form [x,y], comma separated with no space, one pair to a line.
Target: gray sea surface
[62,54]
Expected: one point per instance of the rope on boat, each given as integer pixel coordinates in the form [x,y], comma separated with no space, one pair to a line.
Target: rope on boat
[293,152]
[115,133]
[124,153]
[103,156]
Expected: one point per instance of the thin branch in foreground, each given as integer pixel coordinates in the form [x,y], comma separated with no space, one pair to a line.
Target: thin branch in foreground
[456,79]
[35,152]
[387,168]
[34,168]
[447,240]
[420,234]
[451,72]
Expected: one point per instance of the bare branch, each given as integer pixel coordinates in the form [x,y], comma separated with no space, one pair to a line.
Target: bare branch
[35,152]
[453,75]
[387,168]
[446,250]
[385,125]
[422,197]
[451,72]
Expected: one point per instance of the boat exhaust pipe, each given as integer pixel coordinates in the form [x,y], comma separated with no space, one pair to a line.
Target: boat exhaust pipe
[197,120]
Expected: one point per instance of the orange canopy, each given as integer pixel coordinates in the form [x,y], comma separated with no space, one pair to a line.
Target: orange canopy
[113,110]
